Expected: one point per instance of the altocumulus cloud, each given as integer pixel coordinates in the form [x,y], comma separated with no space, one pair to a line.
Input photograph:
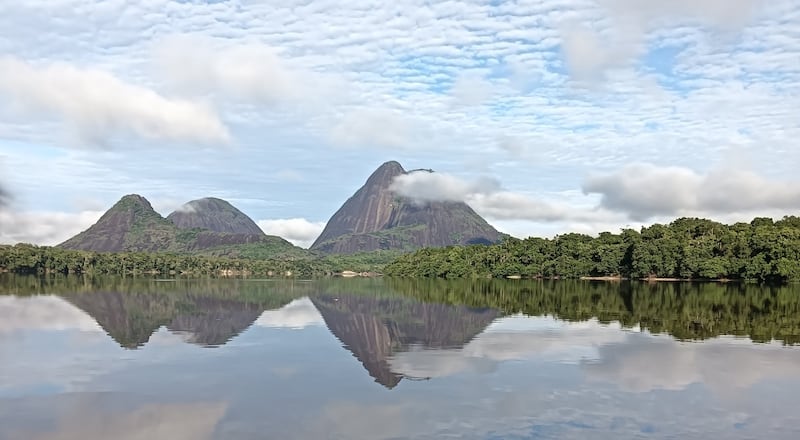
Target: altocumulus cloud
[590,52]
[299,231]
[644,191]
[97,106]
[250,72]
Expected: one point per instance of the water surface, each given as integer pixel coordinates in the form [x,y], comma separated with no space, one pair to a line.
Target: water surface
[388,359]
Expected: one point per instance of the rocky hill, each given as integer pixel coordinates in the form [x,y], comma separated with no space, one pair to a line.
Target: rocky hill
[376,218]
[132,225]
[215,215]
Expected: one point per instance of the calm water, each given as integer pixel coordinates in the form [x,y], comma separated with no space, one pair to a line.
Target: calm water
[388,359]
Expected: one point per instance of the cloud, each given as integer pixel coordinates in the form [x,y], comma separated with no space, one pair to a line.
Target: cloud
[375,128]
[298,314]
[43,228]
[643,191]
[590,52]
[425,186]
[98,106]
[248,72]
[471,89]
[486,196]
[299,231]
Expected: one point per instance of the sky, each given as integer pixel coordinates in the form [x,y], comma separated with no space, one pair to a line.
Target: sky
[546,116]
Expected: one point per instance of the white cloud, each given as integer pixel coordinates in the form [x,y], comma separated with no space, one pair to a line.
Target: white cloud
[625,24]
[487,198]
[98,106]
[375,128]
[43,228]
[298,314]
[643,191]
[299,231]
[425,186]
[470,89]
[249,72]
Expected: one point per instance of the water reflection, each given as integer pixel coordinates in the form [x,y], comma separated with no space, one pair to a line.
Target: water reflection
[131,359]
[374,328]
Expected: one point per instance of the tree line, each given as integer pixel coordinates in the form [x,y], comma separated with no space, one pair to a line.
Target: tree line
[687,248]
[30,259]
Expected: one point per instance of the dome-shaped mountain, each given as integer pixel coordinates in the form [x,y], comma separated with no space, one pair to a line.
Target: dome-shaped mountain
[376,218]
[214,215]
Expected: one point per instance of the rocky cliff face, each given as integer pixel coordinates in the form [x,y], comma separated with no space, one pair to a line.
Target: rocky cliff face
[214,215]
[375,218]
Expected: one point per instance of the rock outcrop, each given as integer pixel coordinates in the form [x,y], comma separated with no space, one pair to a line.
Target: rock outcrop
[375,218]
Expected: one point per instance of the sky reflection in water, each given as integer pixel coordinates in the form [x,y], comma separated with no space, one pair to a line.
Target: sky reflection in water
[314,361]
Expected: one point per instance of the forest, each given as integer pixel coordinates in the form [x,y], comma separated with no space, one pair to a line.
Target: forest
[686,249]
[30,259]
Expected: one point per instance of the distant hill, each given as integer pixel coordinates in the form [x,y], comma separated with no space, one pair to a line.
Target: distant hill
[376,218]
[215,215]
[132,225]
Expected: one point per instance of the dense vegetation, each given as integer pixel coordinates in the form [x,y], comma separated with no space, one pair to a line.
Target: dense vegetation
[24,258]
[687,248]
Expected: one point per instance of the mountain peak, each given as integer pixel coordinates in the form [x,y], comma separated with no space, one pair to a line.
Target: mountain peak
[122,228]
[215,215]
[376,218]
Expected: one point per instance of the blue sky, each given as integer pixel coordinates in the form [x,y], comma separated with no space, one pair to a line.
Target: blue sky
[545,116]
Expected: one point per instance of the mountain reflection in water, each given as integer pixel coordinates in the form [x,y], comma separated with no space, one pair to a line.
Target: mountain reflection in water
[497,359]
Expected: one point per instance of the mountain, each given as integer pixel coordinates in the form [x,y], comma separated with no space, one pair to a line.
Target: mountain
[132,225]
[214,215]
[376,218]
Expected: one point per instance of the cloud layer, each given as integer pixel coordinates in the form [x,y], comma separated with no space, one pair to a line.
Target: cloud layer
[647,191]
[299,231]
[43,228]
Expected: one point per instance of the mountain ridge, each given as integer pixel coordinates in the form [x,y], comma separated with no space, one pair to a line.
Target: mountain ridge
[132,225]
